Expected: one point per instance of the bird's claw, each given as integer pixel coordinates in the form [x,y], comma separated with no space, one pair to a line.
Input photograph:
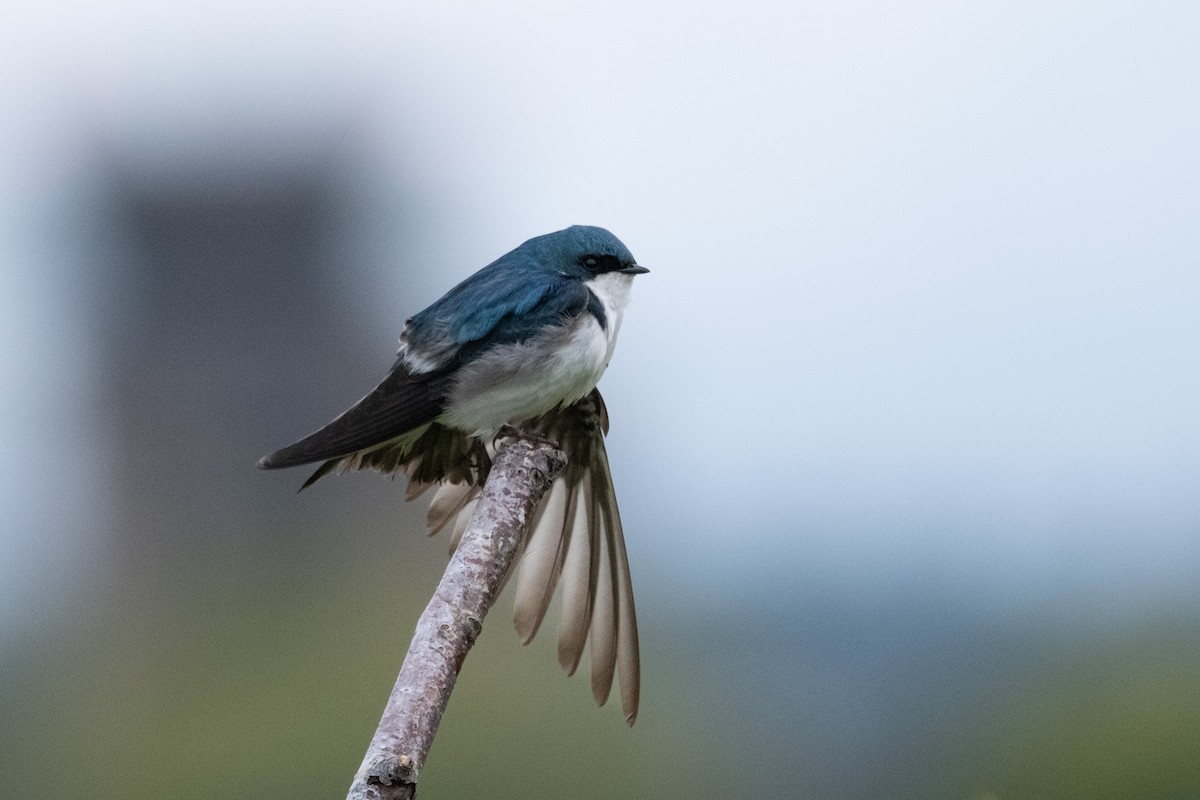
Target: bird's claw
[508,432]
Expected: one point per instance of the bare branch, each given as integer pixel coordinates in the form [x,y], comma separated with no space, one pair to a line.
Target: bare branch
[521,475]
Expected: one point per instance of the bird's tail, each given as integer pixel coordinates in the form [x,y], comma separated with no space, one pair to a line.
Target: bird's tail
[575,545]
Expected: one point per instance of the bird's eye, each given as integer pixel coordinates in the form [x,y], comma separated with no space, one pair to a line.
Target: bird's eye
[599,263]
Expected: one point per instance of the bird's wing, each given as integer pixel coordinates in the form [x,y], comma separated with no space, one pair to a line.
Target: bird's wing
[575,541]
[500,304]
[401,403]
[385,430]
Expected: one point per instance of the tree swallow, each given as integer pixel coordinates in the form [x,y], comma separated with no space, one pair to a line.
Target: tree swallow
[521,344]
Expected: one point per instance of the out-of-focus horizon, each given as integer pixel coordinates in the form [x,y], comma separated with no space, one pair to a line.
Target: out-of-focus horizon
[903,418]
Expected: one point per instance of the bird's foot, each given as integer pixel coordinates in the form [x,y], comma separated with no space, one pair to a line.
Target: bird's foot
[508,432]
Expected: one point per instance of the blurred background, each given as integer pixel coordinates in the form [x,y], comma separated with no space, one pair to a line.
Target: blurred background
[904,419]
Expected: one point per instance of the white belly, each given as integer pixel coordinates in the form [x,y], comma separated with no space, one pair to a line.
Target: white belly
[516,382]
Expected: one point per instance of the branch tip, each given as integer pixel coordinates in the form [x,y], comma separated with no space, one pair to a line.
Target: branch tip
[387,769]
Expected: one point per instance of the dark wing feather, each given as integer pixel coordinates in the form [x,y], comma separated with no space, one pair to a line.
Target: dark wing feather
[505,302]
[401,403]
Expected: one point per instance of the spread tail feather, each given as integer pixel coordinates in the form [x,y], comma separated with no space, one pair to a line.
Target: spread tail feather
[575,545]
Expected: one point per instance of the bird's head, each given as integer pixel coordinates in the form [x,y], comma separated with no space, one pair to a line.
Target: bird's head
[583,252]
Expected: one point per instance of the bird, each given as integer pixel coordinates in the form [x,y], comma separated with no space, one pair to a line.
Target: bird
[519,346]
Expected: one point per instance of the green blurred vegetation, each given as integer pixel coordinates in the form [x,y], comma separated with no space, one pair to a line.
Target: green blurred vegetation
[1110,714]
[242,679]
[264,683]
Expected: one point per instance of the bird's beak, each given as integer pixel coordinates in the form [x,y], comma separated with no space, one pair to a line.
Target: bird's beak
[633,269]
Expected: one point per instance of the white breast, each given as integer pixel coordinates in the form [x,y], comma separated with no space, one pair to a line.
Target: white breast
[515,382]
[612,289]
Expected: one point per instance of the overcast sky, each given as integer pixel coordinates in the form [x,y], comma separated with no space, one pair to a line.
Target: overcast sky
[925,294]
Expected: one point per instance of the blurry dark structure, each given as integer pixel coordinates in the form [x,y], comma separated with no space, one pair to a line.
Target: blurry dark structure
[218,278]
